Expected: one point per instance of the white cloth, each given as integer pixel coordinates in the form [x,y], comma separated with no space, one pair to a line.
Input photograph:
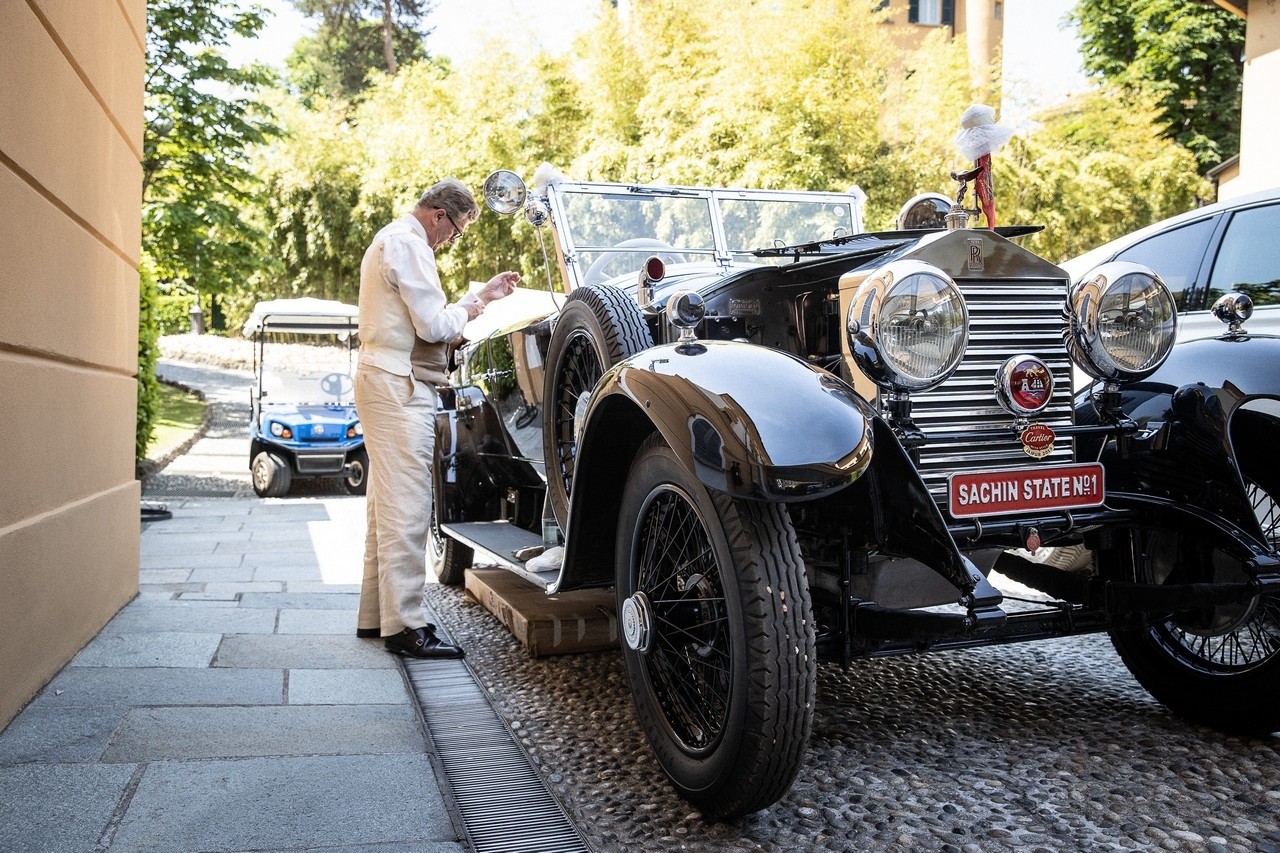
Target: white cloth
[398,414]
[401,298]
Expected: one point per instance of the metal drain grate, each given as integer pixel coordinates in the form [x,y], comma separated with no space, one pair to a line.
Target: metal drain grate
[503,801]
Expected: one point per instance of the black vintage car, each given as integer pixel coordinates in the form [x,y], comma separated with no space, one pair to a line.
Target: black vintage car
[784,441]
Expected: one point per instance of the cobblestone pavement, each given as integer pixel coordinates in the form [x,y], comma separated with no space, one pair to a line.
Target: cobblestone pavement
[1049,746]
[1036,746]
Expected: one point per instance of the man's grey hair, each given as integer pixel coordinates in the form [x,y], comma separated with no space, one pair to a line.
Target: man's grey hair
[452,196]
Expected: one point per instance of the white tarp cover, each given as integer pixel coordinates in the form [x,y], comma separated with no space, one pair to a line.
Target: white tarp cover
[307,314]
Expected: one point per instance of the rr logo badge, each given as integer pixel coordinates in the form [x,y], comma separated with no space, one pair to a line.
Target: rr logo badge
[976,261]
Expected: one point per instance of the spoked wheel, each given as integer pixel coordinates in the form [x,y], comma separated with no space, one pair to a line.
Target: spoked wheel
[598,327]
[718,636]
[1220,666]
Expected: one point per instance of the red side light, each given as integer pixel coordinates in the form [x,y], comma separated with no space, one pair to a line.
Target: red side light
[654,268]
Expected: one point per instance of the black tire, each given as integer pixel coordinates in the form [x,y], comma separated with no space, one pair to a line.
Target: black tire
[357,482]
[1221,668]
[448,558]
[725,676]
[598,327]
[271,474]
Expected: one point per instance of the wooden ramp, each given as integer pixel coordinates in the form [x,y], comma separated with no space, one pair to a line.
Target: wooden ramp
[579,621]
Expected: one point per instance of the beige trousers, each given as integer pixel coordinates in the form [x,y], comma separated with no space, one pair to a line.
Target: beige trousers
[398,415]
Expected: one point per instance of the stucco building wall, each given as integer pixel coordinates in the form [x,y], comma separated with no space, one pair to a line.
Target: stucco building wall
[71,82]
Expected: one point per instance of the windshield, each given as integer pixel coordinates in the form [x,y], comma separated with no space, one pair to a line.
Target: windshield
[312,374]
[608,230]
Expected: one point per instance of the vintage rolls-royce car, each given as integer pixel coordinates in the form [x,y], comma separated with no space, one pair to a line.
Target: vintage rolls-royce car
[785,441]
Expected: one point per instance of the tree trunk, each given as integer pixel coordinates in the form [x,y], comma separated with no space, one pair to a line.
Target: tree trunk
[388,46]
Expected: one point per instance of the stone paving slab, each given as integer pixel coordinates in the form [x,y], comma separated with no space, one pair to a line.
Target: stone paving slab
[158,734]
[166,598]
[223,587]
[151,577]
[223,575]
[139,650]
[314,802]
[48,734]
[323,586]
[339,622]
[302,651]
[177,560]
[103,686]
[144,616]
[36,814]
[301,600]
[347,687]
[265,546]
[269,571]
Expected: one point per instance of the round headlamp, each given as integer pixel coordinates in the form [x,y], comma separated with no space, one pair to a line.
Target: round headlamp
[908,326]
[1123,322]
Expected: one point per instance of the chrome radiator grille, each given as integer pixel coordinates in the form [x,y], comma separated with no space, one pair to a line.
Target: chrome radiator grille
[1005,319]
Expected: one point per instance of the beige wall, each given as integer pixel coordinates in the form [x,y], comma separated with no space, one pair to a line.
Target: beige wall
[1260,120]
[71,80]
[979,22]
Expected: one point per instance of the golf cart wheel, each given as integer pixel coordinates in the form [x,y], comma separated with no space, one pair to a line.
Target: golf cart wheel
[271,475]
[357,481]
[599,326]
[718,636]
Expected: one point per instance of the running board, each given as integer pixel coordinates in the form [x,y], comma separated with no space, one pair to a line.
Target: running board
[499,541]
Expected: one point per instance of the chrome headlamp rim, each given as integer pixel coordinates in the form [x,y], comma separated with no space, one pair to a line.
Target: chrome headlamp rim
[504,192]
[874,351]
[1085,339]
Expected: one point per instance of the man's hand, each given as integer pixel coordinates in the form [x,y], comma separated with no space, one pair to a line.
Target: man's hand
[499,286]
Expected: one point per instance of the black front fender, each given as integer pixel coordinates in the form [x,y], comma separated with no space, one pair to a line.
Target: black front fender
[749,421]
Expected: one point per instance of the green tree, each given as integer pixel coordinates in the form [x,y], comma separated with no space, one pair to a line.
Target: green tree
[1095,170]
[200,122]
[1187,56]
[354,38]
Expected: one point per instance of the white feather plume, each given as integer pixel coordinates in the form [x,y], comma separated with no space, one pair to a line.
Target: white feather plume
[546,175]
[979,132]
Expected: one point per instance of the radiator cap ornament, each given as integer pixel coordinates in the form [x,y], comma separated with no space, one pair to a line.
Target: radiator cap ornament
[1037,440]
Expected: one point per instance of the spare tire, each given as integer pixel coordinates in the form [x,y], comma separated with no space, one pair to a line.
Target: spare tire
[598,327]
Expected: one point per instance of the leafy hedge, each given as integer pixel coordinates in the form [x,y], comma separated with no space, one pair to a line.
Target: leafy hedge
[148,352]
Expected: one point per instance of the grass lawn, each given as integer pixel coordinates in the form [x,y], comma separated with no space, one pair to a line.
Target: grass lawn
[181,414]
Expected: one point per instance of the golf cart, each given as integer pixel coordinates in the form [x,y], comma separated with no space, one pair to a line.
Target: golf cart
[303,420]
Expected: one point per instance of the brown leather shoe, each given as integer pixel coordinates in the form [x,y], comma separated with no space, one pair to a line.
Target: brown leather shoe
[368,633]
[421,643]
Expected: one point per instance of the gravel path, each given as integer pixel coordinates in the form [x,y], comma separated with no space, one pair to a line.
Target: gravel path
[1037,746]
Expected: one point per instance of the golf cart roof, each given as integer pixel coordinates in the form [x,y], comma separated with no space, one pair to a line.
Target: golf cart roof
[305,315]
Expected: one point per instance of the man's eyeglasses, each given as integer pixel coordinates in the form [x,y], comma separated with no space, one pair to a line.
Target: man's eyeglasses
[457,232]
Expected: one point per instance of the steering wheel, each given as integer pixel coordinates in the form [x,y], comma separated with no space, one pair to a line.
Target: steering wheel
[337,384]
[596,274]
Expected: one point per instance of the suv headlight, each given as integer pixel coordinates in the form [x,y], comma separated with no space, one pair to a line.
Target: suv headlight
[908,326]
[1123,322]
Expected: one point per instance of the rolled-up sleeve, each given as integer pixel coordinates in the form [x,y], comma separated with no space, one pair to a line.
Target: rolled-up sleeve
[409,266]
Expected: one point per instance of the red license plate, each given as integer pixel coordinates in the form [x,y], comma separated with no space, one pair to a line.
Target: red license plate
[1025,490]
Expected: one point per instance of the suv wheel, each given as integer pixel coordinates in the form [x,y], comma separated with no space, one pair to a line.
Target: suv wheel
[718,636]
